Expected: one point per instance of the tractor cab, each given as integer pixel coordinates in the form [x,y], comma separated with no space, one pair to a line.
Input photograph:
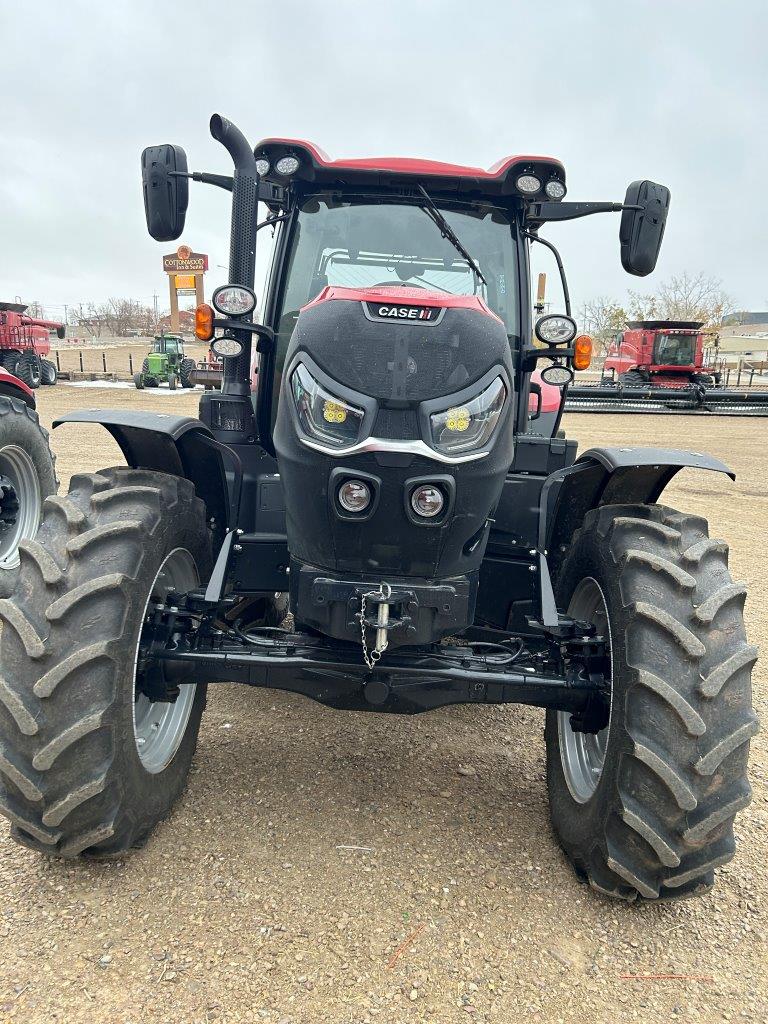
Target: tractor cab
[170,345]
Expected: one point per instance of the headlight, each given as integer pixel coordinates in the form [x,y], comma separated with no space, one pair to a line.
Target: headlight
[322,415]
[233,300]
[262,166]
[226,347]
[557,374]
[555,329]
[470,425]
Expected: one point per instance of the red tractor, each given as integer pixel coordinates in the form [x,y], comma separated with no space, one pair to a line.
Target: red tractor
[665,353]
[24,341]
[392,483]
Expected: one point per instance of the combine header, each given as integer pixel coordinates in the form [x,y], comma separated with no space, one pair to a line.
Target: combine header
[658,366]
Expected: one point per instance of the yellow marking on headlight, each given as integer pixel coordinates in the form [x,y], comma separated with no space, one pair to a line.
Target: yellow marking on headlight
[333,412]
[458,419]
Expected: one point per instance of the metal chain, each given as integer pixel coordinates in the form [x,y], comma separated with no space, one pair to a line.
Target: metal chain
[375,654]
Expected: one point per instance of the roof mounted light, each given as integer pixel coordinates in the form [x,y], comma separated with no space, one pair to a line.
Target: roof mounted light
[262,166]
[555,189]
[233,300]
[528,183]
[287,165]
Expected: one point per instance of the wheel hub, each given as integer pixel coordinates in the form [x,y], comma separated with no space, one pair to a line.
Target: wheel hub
[160,726]
[20,502]
[9,503]
[583,753]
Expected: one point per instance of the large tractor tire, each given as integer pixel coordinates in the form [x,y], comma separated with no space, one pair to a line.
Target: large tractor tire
[645,808]
[29,370]
[186,369]
[27,477]
[633,379]
[48,372]
[87,763]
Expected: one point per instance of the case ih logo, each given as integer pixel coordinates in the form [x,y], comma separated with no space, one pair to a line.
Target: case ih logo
[386,311]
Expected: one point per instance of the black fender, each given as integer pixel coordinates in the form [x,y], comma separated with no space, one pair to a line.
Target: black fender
[9,391]
[179,445]
[608,476]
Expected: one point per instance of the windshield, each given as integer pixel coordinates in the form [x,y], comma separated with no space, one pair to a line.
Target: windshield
[363,241]
[675,350]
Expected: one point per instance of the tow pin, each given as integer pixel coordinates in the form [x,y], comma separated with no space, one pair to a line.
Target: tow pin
[382,619]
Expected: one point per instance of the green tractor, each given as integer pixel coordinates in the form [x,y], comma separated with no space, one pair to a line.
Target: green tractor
[166,363]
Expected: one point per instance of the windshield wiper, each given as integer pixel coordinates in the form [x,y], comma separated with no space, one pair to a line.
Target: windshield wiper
[447,232]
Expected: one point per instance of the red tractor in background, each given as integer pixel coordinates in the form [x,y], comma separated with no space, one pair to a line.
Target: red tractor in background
[24,342]
[665,353]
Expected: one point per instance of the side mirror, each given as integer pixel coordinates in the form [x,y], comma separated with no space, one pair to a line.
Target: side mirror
[641,230]
[61,332]
[165,194]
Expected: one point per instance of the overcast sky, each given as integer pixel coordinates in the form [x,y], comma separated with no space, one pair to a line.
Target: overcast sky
[673,90]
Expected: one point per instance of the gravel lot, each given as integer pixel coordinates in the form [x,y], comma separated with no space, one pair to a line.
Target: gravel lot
[350,868]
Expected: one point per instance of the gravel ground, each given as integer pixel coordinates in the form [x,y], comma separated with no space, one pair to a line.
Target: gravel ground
[350,868]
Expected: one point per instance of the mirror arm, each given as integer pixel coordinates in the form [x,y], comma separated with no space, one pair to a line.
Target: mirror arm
[221,180]
[539,213]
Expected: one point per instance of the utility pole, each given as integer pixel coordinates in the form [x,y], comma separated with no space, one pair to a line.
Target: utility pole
[154,298]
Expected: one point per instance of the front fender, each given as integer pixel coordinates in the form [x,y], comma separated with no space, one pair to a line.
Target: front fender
[179,445]
[608,476]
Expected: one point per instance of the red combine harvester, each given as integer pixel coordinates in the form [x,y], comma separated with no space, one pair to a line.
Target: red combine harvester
[24,342]
[666,353]
[659,366]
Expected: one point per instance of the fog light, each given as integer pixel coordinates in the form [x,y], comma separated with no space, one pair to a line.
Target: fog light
[354,496]
[427,501]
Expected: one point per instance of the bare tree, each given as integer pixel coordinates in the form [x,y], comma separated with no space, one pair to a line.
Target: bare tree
[603,319]
[643,307]
[684,297]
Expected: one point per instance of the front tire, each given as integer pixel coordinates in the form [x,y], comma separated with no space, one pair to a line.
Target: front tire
[74,776]
[633,379]
[186,369]
[48,372]
[658,817]
[29,370]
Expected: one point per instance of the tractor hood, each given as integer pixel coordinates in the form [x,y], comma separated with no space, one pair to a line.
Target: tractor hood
[395,389]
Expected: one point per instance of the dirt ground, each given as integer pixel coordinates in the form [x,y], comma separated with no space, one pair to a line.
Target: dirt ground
[350,868]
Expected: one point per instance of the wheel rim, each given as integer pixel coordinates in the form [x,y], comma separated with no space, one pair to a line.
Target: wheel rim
[583,754]
[20,502]
[158,727]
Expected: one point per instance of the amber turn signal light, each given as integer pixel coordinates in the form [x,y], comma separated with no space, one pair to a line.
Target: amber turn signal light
[582,352]
[204,322]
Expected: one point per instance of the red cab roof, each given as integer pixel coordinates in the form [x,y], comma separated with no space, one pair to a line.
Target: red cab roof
[316,165]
